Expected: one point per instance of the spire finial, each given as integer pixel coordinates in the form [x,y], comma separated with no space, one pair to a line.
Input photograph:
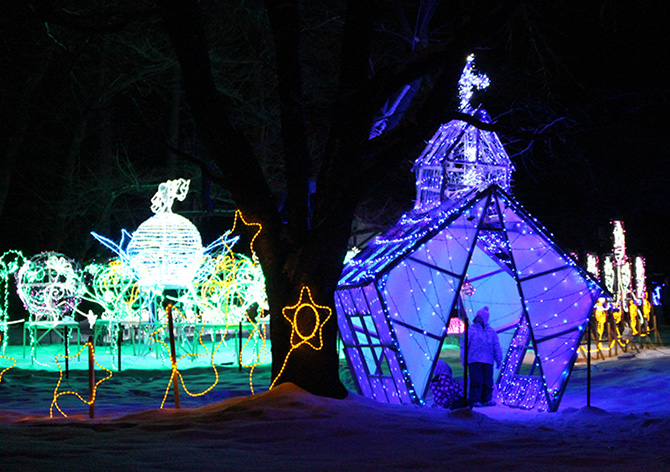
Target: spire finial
[470,80]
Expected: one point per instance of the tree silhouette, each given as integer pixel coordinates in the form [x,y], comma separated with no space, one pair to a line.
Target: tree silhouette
[303,248]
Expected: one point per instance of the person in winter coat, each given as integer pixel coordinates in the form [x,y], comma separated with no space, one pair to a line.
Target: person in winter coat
[483,351]
[447,393]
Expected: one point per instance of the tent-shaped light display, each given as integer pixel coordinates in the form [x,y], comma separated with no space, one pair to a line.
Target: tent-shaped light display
[455,252]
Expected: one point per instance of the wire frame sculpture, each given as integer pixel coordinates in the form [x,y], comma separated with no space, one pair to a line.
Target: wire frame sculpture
[50,286]
[460,157]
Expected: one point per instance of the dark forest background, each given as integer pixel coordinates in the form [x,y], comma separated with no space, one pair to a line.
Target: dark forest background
[92,112]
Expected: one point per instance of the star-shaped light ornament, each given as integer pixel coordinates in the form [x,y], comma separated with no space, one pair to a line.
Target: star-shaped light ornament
[306,307]
[295,315]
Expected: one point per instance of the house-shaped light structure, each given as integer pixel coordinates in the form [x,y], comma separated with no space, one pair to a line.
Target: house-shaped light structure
[464,246]
[395,299]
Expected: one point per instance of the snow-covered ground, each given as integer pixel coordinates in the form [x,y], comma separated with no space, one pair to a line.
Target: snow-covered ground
[626,428]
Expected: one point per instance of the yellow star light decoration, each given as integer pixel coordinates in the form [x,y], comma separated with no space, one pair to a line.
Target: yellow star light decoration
[57,394]
[257,328]
[175,375]
[293,314]
[259,227]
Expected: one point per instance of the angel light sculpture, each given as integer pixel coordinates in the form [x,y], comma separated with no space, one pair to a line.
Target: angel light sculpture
[165,252]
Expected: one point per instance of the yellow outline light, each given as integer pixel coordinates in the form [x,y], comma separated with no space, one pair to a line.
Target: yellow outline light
[297,338]
[57,394]
[2,372]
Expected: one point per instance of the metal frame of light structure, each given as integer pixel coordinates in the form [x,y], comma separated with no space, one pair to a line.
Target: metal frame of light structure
[395,298]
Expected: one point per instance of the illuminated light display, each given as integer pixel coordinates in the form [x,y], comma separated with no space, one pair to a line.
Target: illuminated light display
[214,285]
[304,308]
[395,297]
[619,243]
[57,394]
[592,263]
[260,354]
[250,297]
[600,314]
[640,278]
[456,326]
[166,250]
[5,369]
[10,262]
[469,81]
[460,157]
[633,316]
[50,286]
[608,273]
[175,375]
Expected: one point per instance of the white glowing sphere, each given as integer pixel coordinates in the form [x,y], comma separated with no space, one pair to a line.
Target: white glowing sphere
[166,251]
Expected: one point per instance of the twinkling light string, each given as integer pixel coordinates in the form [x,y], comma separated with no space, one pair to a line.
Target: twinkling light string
[314,339]
[469,81]
[10,262]
[258,332]
[57,394]
[2,372]
[256,283]
[175,375]
[259,228]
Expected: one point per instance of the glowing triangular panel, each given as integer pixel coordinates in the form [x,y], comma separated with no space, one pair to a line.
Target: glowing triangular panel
[492,286]
[559,305]
[449,249]
[533,252]
[418,352]
[420,297]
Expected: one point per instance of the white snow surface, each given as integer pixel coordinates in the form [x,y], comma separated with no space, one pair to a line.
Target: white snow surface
[627,426]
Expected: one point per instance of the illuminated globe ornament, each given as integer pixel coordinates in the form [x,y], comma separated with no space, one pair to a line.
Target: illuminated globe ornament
[165,252]
[50,286]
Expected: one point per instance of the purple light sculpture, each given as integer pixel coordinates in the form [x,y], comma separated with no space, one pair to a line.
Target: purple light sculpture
[395,297]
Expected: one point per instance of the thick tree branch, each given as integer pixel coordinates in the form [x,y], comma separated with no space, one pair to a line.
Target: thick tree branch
[352,113]
[242,174]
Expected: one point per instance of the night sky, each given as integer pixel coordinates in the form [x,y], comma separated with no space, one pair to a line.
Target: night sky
[88,107]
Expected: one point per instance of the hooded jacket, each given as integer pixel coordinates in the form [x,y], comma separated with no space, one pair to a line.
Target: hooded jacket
[483,342]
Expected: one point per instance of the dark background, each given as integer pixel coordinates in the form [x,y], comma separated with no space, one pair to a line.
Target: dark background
[91,101]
